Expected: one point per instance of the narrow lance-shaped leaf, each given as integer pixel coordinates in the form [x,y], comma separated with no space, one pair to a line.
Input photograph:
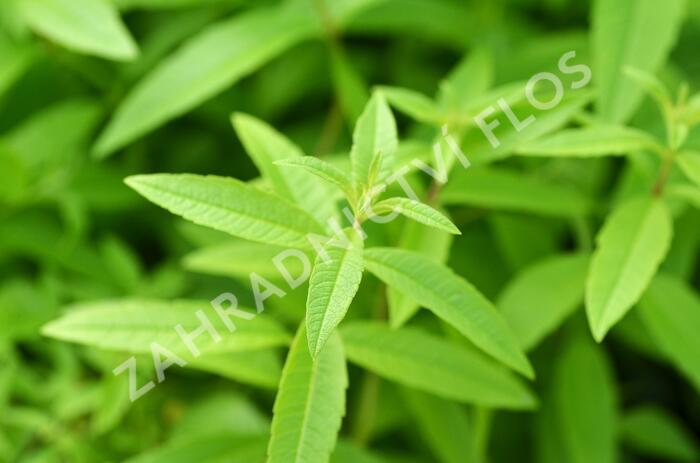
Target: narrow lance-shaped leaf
[418,211]
[415,105]
[86,26]
[375,132]
[431,364]
[631,245]
[541,296]
[636,33]
[266,146]
[600,140]
[505,189]
[451,298]
[131,325]
[653,432]
[228,205]
[689,161]
[670,311]
[321,169]
[204,66]
[349,87]
[333,284]
[444,425]
[310,403]
[586,411]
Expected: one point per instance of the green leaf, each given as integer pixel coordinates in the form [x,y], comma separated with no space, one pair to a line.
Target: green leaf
[417,359]
[334,282]
[418,211]
[653,87]
[541,296]
[689,161]
[451,298]
[468,81]
[444,426]
[206,449]
[266,146]
[207,64]
[670,311]
[86,26]
[432,243]
[687,193]
[374,132]
[635,33]
[239,258]
[600,140]
[131,325]
[321,169]
[631,245]
[349,86]
[228,205]
[505,189]
[586,411]
[655,433]
[261,368]
[310,403]
[414,104]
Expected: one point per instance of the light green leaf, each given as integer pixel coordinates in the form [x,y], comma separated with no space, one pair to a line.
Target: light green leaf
[451,298]
[414,104]
[635,33]
[321,169]
[670,311]
[631,245]
[86,26]
[687,193]
[131,325]
[586,411]
[653,87]
[351,90]
[417,359]
[432,243]
[600,140]
[239,258]
[540,297]
[689,161]
[266,146]
[261,368]
[334,282]
[468,81]
[228,205]
[444,426]
[418,211]
[206,449]
[374,132]
[310,403]
[347,452]
[655,433]
[207,64]
[505,189]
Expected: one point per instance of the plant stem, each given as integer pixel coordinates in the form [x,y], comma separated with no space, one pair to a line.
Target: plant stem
[661,180]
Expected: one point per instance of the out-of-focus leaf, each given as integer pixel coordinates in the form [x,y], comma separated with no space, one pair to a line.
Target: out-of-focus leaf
[670,311]
[540,297]
[414,104]
[428,363]
[636,33]
[131,325]
[444,426]
[631,245]
[204,66]
[310,403]
[228,205]
[654,432]
[266,146]
[206,449]
[690,164]
[586,411]
[451,298]
[505,189]
[351,90]
[86,26]
[592,141]
[470,79]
